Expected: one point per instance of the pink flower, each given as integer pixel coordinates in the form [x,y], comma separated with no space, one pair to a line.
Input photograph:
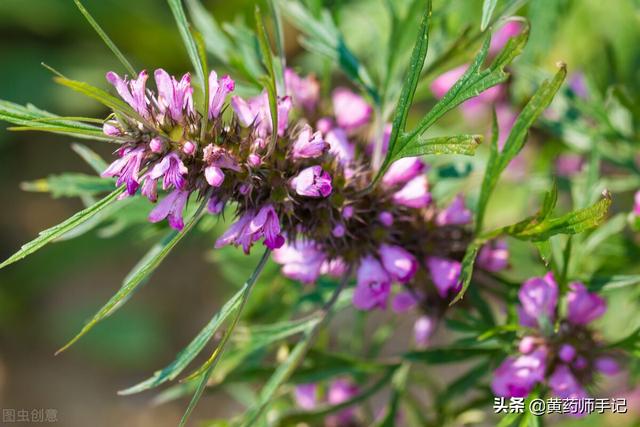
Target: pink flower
[304,91]
[250,227]
[217,158]
[215,205]
[308,145]
[174,97]
[334,268]
[500,38]
[445,274]
[568,165]
[340,391]
[398,262]
[350,109]
[340,146]
[414,194]
[111,129]
[517,376]
[636,205]
[127,169]
[403,170]
[564,384]
[538,298]
[312,182]
[257,113]
[567,353]
[456,214]
[306,396]
[218,91]
[404,301]
[301,260]
[171,207]
[423,329]
[583,306]
[607,365]
[150,188]
[373,285]
[172,171]
[133,92]
[494,256]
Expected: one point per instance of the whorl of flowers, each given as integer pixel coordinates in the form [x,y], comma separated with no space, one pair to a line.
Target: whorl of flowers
[304,191]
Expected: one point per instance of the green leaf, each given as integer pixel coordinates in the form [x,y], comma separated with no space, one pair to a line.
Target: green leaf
[59,230]
[630,344]
[269,83]
[215,39]
[498,161]
[457,144]
[449,354]
[487,12]
[91,157]
[571,223]
[70,185]
[323,37]
[406,96]
[32,118]
[612,283]
[188,40]
[466,270]
[105,38]
[141,272]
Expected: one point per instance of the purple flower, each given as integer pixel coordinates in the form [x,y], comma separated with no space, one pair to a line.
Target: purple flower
[216,159]
[403,170]
[494,256]
[456,214]
[607,365]
[256,112]
[564,384]
[567,353]
[312,182]
[133,92]
[301,260]
[218,91]
[445,274]
[528,344]
[568,165]
[385,218]
[517,376]
[538,298]
[373,285]
[578,85]
[502,36]
[215,205]
[150,188]
[304,91]
[126,168]
[111,128]
[350,109]
[324,125]
[174,97]
[404,301]
[306,396]
[423,329]
[414,194]
[583,306]
[340,146]
[340,391]
[172,170]
[339,231]
[171,207]
[156,145]
[250,227]
[399,263]
[636,204]
[308,145]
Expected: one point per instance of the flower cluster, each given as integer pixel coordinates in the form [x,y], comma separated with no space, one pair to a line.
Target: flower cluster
[559,351]
[339,391]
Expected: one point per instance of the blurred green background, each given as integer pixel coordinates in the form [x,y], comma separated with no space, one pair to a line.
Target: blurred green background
[45,300]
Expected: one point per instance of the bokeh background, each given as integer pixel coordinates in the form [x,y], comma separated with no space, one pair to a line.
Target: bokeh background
[45,300]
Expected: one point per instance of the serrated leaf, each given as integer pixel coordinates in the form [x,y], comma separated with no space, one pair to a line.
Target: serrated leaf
[488,6]
[142,270]
[110,44]
[188,40]
[53,233]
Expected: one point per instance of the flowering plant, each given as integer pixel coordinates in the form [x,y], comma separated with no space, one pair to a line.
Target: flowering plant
[343,189]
